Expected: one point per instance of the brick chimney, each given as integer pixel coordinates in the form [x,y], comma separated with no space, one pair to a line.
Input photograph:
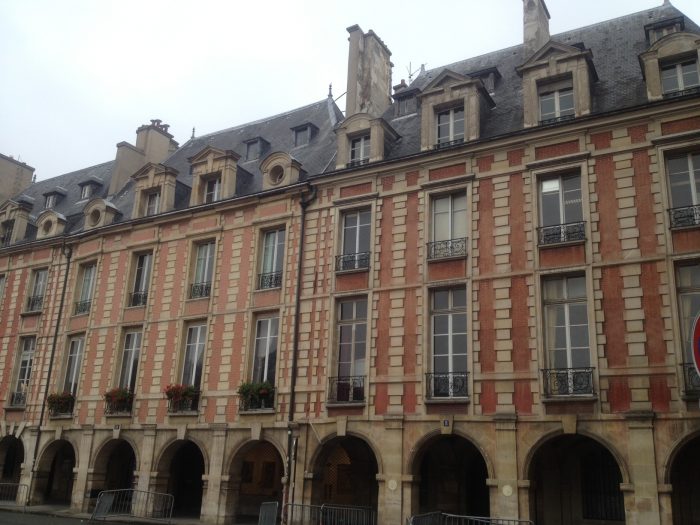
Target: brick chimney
[369,74]
[535,26]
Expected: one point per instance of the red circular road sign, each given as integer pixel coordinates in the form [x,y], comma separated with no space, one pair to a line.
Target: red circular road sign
[696,343]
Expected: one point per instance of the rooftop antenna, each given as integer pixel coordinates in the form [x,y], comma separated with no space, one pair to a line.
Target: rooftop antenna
[411,73]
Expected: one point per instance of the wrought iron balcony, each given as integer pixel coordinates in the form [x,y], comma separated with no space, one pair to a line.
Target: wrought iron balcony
[684,217]
[447,143]
[259,401]
[82,307]
[138,298]
[199,290]
[447,249]
[64,407]
[554,120]
[120,406]
[447,385]
[18,399]
[691,380]
[561,233]
[34,303]
[348,389]
[682,92]
[352,261]
[269,280]
[357,162]
[184,404]
[559,382]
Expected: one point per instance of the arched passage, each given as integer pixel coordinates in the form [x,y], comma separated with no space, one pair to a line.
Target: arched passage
[54,476]
[11,459]
[182,467]
[345,473]
[451,475]
[684,480]
[114,466]
[574,479]
[255,477]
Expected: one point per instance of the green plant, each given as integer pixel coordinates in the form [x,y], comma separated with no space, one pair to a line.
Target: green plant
[252,393]
[119,395]
[60,402]
[177,392]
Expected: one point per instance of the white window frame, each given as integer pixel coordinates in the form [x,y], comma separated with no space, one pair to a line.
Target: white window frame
[73,363]
[193,360]
[131,354]
[451,313]
[142,272]
[212,189]
[87,281]
[25,365]
[50,201]
[676,72]
[550,305]
[360,149]
[272,257]
[453,118]
[266,348]
[204,262]
[152,203]
[688,293]
[456,217]
[556,95]
[356,324]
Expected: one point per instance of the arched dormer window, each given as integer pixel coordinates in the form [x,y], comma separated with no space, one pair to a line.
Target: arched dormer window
[670,66]
[280,169]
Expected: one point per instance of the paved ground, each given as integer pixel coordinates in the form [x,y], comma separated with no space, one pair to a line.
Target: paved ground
[47,515]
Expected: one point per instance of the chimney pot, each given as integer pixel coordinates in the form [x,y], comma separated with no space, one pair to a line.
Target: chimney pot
[535,26]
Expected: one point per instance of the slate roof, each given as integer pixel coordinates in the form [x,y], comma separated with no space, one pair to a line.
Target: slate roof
[615,45]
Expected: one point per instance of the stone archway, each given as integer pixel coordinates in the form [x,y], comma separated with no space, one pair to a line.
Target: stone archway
[451,477]
[255,477]
[180,473]
[573,479]
[54,476]
[11,459]
[345,473]
[114,466]
[685,497]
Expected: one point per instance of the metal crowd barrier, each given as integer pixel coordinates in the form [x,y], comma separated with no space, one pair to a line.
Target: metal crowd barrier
[268,513]
[442,518]
[13,494]
[134,503]
[329,515]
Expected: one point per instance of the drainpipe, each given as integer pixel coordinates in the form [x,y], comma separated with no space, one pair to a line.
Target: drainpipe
[68,253]
[292,442]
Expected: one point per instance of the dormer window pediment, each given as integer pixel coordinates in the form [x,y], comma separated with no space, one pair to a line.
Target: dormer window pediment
[363,139]
[670,66]
[657,30]
[155,190]
[214,174]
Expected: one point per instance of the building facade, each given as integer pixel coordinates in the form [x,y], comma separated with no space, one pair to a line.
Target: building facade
[472,295]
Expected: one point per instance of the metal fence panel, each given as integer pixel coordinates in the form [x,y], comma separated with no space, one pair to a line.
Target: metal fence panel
[268,513]
[453,519]
[134,503]
[13,494]
[297,514]
[347,515]
[431,518]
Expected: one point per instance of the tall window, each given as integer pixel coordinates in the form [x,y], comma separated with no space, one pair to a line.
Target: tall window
[24,371]
[679,76]
[152,203]
[561,213]
[50,201]
[75,356]
[87,284]
[301,136]
[142,278]
[449,226]
[203,270]
[566,336]
[272,259]
[36,299]
[556,101]
[212,189]
[688,283]
[6,232]
[356,239]
[359,150]
[266,331]
[450,127]
[352,351]
[130,359]
[448,309]
[3,280]
[684,182]
[194,355]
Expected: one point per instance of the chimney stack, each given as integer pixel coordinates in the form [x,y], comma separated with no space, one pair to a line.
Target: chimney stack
[535,26]
[369,74]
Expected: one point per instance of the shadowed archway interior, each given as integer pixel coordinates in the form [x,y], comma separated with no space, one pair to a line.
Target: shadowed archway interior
[686,487]
[185,481]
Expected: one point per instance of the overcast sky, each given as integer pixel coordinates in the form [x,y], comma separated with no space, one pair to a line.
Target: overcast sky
[79,76]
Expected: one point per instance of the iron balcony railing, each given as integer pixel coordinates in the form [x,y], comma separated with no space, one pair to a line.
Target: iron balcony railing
[82,307]
[121,406]
[447,385]
[199,290]
[447,249]
[138,298]
[63,408]
[346,389]
[18,399]
[184,404]
[684,216]
[560,382]
[561,233]
[259,401]
[691,380]
[34,303]
[682,92]
[352,261]
[357,162]
[269,280]
[562,118]
[447,143]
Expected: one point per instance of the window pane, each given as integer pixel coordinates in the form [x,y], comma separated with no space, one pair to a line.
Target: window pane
[571,186]
[459,298]
[551,213]
[547,108]
[566,102]
[669,79]
[441,299]
[576,287]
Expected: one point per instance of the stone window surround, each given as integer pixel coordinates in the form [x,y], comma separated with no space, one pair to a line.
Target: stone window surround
[671,48]
[380,133]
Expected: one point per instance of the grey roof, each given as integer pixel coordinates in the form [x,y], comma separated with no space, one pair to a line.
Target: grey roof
[615,44]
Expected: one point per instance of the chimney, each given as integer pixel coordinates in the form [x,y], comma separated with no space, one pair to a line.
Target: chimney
[535,26]
[369,74]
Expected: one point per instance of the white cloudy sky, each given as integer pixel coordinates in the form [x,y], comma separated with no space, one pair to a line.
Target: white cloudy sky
[78,76]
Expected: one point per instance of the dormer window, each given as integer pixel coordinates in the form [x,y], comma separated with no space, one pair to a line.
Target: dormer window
[679,76]
[153,203]
[359,151]
[556,101]
[85,191]
[50,201]
[406,106]
[450,127]
[301,136]
[212,189]
[658,30]
[6,232]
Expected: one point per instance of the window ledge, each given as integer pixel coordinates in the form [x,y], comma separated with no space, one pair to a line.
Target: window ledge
[81,314]
[341,404]
[15,408]
[684,227]
[352,270]
[447,401]
[134,307]
[61,416]
[184,413]
[30,313]
[191,299]
[119,415]
[450,258]
[256,411]
[573,398]
[271,288]
[561,244]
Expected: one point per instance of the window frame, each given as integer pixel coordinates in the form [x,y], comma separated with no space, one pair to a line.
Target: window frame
[271,342]
[302,133]
[194,376]
[352,257]
[684,215]
[74,359]
[24,371]
[151,208]
[454,245]
[355,323]
[270,275]
[453,136]
[689,291]
[556,89]
[141,284]
[35,302]
[50,201]
[130,357]
[211,194]
[676,64]
[203,272]
[569,230]
[85,191]
[360,149]
[85,290]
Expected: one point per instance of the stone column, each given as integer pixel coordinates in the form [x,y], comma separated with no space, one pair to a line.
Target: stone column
[644,507]
[28,474]
[82,467]
[389,500]
[504,488]
[145,467]
[211,499]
